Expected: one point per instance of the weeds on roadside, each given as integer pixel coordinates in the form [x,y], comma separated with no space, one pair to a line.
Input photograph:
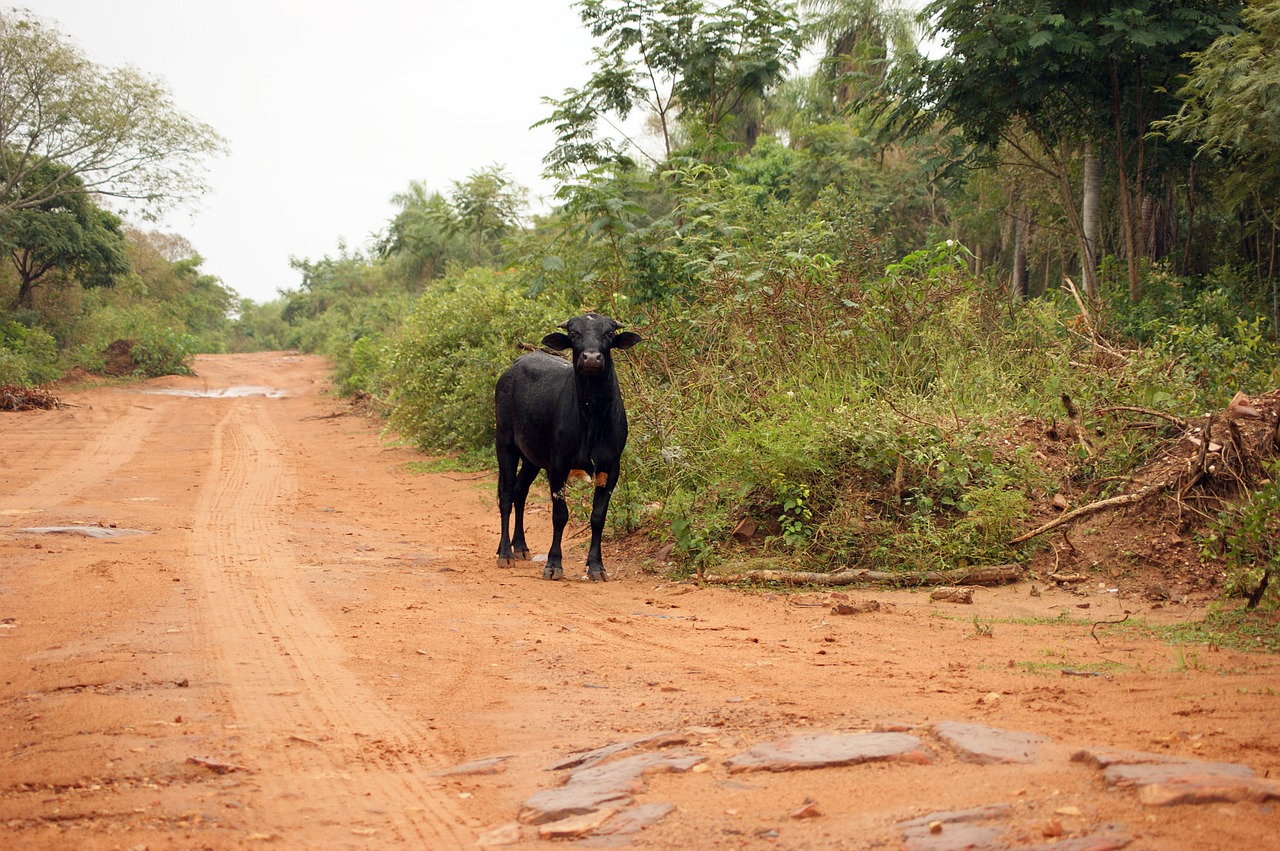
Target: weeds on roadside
[1235,628]
[801,398]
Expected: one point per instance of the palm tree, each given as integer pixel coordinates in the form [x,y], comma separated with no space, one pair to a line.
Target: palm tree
[860,39]
[418,242]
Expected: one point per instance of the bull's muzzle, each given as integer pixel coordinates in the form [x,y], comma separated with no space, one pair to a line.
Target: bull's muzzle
[590,363]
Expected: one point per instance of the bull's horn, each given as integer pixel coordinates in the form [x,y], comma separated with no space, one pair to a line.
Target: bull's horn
[564,324]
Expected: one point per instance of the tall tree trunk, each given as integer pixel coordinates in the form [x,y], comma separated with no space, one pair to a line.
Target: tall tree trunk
[26,295]
[1187,259]
[1019,288]
[1128,217]
[1275,290]
[1089,220]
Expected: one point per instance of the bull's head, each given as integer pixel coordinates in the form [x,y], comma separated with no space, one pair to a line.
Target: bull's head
[590,336]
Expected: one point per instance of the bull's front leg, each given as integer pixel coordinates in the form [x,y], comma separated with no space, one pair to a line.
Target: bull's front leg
[599,511]
[559,518]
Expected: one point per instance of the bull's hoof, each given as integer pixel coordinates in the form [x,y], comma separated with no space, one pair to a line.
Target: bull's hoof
[597,574]
[506,561]
[555,573]
[521,553]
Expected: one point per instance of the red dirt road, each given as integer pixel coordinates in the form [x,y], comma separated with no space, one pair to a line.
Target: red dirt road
[307,632]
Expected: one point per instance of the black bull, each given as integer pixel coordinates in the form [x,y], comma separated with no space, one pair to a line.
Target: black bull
[562,417]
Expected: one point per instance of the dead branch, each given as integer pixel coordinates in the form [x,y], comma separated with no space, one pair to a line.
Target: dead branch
[1176,420]
[1092,508]
[1197,469]
[991,575]
[1239,452]
[1084,311]
[1235,462]
[907,416]
[1094,338]
[1077,422]
[15,398]
[1094,629]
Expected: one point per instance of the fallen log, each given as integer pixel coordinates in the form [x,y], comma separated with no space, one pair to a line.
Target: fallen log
[990,575]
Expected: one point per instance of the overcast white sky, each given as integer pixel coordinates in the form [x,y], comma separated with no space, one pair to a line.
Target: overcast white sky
[330,108]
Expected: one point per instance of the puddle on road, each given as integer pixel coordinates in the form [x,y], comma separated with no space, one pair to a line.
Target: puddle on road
[87,531]
[237,392]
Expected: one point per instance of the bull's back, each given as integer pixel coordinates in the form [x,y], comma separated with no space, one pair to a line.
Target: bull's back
[527,399]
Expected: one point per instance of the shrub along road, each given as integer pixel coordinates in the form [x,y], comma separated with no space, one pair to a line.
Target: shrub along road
[311,645]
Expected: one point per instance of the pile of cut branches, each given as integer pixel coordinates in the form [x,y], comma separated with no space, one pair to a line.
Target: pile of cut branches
[1213,458]
[15,398]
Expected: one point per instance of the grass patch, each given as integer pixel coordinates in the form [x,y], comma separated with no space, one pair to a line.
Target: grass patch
[446,464]
[1239,629]
[1067,668]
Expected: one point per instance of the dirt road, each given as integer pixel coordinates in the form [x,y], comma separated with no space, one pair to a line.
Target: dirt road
[258,626]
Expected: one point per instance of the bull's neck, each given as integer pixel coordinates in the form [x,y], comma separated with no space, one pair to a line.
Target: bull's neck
[596,392]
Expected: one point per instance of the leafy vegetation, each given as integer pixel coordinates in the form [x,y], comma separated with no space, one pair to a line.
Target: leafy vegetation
[1247,536]
[113,132]
[437,372]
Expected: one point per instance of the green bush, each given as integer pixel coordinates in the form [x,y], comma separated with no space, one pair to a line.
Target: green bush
[356,369]
[1246,537]
[438,371]
[353,334]
[28,356]
[858,421]
[162,351]
[1197,344]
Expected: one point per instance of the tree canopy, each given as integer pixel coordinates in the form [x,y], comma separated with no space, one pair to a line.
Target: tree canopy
[1231,101]
[68,233]
[115,132]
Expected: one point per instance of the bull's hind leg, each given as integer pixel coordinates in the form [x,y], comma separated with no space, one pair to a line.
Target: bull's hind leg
[508,459]
[528,472]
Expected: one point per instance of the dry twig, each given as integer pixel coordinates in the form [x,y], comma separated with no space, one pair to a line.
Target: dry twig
[1176,420]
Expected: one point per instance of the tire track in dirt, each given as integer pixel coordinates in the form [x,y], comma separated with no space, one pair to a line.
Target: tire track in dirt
[329,742]
[614,618]
[110,448]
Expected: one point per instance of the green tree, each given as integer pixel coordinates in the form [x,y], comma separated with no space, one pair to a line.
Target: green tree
[114,131]
[859,38]
[1229,98]
[485,209]
[168,267]
[1063,76]
[1231,112]
[68,233]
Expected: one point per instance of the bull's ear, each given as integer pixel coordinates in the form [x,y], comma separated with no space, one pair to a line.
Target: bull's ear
[625,340]
[557,341]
